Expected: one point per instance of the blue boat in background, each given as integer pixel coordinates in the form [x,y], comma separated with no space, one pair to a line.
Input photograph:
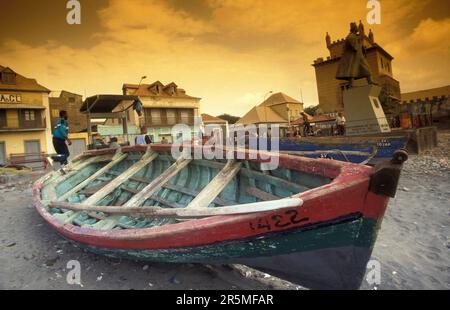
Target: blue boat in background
[357,149]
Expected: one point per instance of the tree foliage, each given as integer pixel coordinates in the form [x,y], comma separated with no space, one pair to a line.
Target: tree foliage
[311,110]
[229,118]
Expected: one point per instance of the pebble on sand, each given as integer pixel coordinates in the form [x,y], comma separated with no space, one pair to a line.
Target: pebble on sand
[174,280]
[51,261]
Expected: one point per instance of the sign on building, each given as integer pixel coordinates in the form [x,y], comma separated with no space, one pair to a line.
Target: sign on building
[10,98]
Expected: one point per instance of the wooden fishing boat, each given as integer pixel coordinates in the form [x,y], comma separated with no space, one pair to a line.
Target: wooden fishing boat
[310,221]
[358,149]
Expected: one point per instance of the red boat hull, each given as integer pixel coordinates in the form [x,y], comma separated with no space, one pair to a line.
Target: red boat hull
[346,196]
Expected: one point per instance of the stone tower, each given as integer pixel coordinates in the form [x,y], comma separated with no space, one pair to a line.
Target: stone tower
[330,90]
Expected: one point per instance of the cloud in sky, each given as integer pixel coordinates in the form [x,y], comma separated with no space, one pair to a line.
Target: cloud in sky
[229,52]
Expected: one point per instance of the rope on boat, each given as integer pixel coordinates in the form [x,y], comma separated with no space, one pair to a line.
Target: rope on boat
[371,156]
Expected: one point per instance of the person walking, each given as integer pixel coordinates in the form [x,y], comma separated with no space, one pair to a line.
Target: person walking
[60,137]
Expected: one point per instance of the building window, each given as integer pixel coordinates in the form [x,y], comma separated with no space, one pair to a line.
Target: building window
[171,116]
[30,119]
[3,119]
[8,78]
[171,90]
[55,113]
[153,117]
[186,116]
[71,99]
[156,116]
[156,88]
[30,115]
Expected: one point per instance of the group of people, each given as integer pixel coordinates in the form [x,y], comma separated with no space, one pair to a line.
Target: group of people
[142,139]
[308,130]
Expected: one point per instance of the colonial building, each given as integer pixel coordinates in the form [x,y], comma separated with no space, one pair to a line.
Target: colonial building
[330,89]
[70,102]
[217,123]
[277,109]
[163,107]
[24,115]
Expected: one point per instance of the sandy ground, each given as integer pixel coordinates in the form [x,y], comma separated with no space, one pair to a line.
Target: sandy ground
[413,246]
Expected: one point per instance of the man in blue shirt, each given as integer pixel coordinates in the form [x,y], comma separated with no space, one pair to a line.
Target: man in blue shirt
[60,136]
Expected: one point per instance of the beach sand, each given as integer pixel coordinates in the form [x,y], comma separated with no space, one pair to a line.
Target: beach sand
[413,246]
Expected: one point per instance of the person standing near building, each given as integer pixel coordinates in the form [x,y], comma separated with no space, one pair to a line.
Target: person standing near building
[306,124]
[340,123]
[113,143]
[60,137]
[143,138]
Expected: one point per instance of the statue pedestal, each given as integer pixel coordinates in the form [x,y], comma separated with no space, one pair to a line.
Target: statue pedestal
[363,111]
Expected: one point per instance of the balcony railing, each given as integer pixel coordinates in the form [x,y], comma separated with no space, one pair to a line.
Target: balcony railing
[24,120]
[23,125]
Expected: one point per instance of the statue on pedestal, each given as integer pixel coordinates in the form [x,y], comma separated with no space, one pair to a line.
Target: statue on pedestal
[353,64]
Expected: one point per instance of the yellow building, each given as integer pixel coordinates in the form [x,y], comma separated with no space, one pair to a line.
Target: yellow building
[24,116]
[277,109]
[164,106]
[330,89]
[71,103]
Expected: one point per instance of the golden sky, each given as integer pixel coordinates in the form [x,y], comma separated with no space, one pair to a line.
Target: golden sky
[228,52]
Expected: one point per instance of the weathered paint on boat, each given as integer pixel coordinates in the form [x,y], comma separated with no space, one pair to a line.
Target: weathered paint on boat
[339,218]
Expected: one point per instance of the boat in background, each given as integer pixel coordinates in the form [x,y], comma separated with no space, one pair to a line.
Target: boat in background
[310,221]
[359,149]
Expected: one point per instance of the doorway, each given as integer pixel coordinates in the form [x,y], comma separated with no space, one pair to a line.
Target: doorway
[32,147]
